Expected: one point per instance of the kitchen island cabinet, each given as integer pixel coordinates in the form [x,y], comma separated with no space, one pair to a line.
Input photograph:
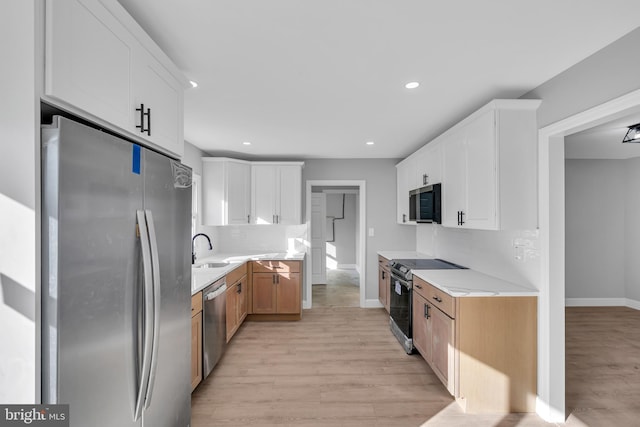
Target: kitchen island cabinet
[482,345]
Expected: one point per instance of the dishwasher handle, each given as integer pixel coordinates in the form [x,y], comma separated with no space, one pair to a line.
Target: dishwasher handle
[218,291]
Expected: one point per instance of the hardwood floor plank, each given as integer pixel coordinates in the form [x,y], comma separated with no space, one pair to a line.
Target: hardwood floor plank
[342,367]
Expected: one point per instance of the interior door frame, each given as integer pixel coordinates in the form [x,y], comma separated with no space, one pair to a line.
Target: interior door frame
[323,238]
[551,221]
[362,249]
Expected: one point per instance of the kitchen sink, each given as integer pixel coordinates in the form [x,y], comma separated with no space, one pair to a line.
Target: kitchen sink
[212,265]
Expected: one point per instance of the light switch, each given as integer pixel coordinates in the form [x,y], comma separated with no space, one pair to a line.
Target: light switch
[371,233]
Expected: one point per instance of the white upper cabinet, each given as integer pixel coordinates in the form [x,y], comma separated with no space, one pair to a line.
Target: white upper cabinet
[405,179]
[489,168]
[226,191]
[100,64]
[428,165]
[276,193]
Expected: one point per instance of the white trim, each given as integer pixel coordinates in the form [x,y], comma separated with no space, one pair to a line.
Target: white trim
[373,303]
[347,266]
[551,322]
[632,303]
[595,302]
[338,191]
[362,267]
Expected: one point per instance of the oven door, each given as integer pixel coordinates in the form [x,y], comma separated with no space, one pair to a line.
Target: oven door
[400,304]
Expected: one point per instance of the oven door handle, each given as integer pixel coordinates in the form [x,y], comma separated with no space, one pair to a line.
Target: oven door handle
[403,282]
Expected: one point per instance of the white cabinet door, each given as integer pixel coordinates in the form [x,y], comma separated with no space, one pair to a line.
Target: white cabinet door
[263,194]
[404,171]
[238,192]
[289,195]
[481,180]
[158,93]
[95,66]
[88,60]
[453,179]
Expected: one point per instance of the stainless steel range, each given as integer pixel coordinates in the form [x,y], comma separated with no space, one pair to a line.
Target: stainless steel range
[400,300]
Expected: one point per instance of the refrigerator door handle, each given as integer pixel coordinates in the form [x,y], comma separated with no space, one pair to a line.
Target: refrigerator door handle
[155,263]
[148,313]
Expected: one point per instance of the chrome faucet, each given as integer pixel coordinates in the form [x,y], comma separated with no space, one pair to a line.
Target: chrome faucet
[193,251]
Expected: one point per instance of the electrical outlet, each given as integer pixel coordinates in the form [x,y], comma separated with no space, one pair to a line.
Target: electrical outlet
[371,232]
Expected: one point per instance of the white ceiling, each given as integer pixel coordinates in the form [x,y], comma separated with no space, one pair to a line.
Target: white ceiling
[604,141]
[317,79]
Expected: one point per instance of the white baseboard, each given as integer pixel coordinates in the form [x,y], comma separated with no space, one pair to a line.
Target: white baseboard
[305,304]
[372,303]
[347,267]
[631,303]
[595,302]
[547,413]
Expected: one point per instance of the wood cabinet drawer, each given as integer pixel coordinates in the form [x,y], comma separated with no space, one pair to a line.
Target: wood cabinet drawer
[435,296]
[265,266]
[383,262]
[196,303]
[236,274]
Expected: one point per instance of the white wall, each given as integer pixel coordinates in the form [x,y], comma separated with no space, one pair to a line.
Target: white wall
[380,177]
[595,228]
[632,231]
[193,157]
[19,203]
[490,252]
[344,229]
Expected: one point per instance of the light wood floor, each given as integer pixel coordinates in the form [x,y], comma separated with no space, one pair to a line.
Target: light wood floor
[342,367]
[603,366]
[341,290]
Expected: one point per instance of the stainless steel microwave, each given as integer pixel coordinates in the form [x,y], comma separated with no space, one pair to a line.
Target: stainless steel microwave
[425,204]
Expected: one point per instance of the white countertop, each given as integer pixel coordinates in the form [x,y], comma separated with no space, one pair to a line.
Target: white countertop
[203,277]
[404,255]
[471,283]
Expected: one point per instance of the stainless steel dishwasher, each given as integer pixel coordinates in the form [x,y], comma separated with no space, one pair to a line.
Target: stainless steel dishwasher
[214,328]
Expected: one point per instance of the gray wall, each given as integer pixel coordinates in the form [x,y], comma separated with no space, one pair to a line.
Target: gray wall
[344,229]
[607,74]
[595,228]
[632,229]
[380,177]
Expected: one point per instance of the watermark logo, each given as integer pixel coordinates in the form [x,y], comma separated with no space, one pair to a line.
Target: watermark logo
[34,415]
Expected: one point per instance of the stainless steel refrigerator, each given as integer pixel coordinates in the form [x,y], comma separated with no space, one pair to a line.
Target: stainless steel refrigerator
[116,280]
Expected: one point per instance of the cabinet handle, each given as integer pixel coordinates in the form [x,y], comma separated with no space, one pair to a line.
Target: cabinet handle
[461,217]
[426,311]
[144,114]
[273,279]
[404,217]
[239,288]
[458,217]
[425,179]
[418,286]
[437,298]
[248,219]
[383,274]
[277,219]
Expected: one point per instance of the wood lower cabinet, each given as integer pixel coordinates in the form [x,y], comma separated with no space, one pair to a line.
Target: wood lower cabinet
[276,288]
[196,340]
[483,349]
[384,282]
[236,299]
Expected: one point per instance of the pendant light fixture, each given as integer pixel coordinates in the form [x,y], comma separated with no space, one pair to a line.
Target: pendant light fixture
[633,134]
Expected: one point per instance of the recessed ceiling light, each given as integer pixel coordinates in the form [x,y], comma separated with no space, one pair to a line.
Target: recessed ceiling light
[370,143]
[246,143]
[412,85]
[193,84]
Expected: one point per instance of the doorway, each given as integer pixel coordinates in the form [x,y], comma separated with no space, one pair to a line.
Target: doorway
[551,324]
[335,216]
